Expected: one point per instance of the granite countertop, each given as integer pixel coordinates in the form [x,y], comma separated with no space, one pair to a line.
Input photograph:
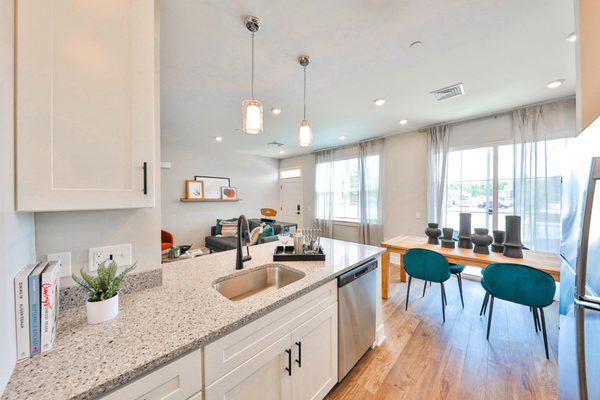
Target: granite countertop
[157,325]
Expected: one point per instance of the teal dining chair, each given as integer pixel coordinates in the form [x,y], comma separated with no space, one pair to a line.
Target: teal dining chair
[456,270]
[430,267]
[518,284]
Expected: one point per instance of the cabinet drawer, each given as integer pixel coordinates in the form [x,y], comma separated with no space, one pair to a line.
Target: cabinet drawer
[231,351]
[178,380]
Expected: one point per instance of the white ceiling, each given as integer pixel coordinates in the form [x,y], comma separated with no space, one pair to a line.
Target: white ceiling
[504,51]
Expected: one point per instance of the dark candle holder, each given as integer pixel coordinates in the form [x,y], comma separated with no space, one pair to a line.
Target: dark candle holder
[447,240]
[497,245]
[513,247]
[464,235]
[433,233]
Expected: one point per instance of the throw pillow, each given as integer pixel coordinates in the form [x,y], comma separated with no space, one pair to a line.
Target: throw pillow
[229,228]
[218,224]
[255,235]
[267,231]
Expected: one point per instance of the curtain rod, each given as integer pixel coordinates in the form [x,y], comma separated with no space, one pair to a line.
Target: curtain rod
[344,146]
[495,114]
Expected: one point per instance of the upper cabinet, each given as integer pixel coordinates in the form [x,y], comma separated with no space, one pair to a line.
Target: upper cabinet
[86,104]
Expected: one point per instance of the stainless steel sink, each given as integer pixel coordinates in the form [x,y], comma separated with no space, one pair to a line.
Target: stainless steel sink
[256,281]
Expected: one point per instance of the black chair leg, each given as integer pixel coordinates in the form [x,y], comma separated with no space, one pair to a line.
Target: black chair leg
[424,287]
[484,304]
[490,317]
[445,298]
[535,321]
[544,332]
[408,291]
[459,277]
[443,302]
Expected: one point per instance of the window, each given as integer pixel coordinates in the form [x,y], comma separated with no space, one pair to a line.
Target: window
[290,173]
[345,197]
[481,181]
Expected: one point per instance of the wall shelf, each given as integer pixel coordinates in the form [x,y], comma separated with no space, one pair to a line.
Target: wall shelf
[184,200]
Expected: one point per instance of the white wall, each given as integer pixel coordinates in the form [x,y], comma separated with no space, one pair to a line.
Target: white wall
[255,178]
[77,231]
[17,246]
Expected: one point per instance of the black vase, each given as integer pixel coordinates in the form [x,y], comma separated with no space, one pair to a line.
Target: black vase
[513,247]
[482,240]
[464,234]
[433,233]
[497,246]
[447,240]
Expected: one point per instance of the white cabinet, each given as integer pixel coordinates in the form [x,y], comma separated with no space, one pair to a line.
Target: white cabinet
[86,104]
[263,377]
[315,363]
[301,365]
[178,380]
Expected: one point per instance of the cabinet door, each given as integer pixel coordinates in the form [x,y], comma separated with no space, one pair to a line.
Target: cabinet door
[315,356]
[263,377]
[85,104]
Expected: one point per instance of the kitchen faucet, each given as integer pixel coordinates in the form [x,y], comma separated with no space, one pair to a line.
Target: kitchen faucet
[239,258]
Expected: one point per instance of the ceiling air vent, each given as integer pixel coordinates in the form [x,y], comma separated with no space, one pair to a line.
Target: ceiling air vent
[275,144]
[450,91]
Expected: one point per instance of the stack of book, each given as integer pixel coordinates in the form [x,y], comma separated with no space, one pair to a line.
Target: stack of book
[37,288]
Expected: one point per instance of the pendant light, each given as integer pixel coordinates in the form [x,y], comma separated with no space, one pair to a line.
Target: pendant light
[304,132]
[252,109]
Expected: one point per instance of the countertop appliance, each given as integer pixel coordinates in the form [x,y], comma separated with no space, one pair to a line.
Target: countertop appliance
[579,334]
[356,315]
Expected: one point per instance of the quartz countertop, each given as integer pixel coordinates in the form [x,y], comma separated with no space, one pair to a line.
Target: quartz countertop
[159,324]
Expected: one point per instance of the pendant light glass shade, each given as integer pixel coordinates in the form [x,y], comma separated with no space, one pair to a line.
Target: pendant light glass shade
[252,116]
[304,134]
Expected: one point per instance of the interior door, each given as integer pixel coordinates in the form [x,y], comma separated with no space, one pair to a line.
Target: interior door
[263,377]
[291,208]
[85,104]
[315,356]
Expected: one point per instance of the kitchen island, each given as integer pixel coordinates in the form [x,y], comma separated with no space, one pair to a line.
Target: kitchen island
[158,325]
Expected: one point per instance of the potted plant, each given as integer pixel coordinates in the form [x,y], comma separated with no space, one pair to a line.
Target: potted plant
[103,291]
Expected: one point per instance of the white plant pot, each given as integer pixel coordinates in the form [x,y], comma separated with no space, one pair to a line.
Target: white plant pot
[100,311]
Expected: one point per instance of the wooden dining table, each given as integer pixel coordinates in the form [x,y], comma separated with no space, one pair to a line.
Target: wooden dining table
[547,262]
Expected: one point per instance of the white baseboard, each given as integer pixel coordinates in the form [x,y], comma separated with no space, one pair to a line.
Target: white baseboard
[379,336]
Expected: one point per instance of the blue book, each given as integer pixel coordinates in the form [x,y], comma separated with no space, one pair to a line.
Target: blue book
[34,284]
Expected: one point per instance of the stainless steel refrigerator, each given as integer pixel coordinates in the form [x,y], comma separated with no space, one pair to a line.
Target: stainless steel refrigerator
[579,334]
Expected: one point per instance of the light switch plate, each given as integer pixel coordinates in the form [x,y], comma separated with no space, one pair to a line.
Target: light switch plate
[65,262]
[418,215]
[120,253]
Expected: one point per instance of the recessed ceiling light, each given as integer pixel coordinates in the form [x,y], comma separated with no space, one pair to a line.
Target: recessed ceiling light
[403,122]
[342,137]
[275,110]
[555,84]
[379,102]
[218,138]
[281,151]
[572,37]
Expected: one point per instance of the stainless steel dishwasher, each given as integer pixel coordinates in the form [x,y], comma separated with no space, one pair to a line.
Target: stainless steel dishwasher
[356,315]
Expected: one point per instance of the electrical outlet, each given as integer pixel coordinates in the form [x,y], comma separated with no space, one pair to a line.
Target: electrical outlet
[418,215]
[120,253]
[65,262]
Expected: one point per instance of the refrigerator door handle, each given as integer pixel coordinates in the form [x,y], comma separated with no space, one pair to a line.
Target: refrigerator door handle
[588,302]
[581,270]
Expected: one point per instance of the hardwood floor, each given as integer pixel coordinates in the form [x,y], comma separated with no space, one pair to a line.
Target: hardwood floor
[422,358]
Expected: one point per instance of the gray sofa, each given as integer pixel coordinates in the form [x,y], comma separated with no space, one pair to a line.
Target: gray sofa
[222,243]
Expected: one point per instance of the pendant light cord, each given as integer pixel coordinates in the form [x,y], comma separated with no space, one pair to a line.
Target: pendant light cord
[252,89]
[304,92]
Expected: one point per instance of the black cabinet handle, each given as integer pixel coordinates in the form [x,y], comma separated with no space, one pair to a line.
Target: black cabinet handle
[289,367]
[145,177]
[299,360]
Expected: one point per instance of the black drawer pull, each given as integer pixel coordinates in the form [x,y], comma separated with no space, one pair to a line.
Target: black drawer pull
[299,359]
[289,367]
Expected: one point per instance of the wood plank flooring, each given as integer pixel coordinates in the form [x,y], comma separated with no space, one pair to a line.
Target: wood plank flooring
[422,358]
